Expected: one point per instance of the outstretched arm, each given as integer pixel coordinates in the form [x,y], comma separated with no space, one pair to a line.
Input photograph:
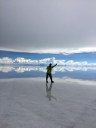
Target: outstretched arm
[54,66]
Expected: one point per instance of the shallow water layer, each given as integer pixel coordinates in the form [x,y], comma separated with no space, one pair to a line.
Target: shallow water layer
[70,102]
[83,73]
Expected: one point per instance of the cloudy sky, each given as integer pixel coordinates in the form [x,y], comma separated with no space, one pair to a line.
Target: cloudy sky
[42,25]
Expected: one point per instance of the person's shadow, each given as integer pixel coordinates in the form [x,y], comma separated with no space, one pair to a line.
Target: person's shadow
[48,92]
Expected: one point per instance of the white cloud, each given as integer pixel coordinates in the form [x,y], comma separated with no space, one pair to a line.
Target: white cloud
[66,51]
[78,50]
[20,60]
[34,24]
[44,61]
[6,60]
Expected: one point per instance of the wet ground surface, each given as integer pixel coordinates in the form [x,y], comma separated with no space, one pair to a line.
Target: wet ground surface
[31,103]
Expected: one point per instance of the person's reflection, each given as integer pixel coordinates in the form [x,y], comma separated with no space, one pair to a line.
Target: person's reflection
[48,91]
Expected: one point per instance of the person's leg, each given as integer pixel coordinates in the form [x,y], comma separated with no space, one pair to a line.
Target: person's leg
[51,78]
[47,77]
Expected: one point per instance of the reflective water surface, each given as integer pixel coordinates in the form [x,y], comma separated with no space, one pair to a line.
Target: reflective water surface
[26,101]
[84,73]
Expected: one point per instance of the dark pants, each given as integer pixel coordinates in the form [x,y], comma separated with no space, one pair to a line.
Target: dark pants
[49,76]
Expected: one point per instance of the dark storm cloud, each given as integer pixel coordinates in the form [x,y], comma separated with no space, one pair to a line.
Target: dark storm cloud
[45,24]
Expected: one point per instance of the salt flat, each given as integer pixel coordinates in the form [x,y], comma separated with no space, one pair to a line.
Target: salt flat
[30,103]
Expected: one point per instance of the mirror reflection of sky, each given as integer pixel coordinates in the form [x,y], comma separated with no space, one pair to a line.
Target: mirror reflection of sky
[83,73]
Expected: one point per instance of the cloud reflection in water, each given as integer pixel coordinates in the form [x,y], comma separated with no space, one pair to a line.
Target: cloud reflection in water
[21,69]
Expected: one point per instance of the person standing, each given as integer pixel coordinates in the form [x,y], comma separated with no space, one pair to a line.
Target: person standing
[49,69]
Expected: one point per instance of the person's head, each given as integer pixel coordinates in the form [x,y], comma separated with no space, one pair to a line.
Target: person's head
[50,65]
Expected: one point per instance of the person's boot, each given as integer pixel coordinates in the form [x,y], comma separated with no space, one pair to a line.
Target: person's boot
[52,81]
